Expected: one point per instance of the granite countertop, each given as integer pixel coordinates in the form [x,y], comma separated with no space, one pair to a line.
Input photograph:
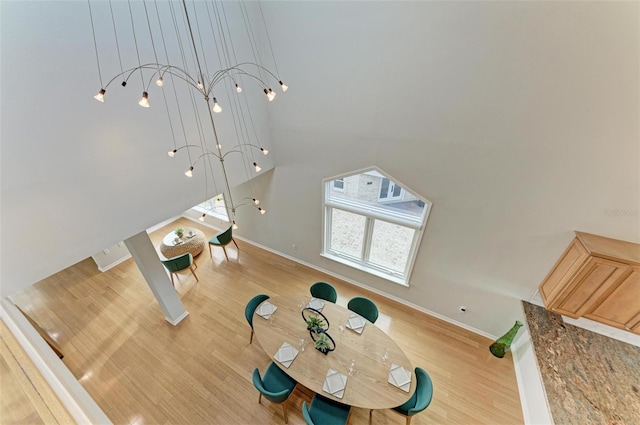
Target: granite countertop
[588,378]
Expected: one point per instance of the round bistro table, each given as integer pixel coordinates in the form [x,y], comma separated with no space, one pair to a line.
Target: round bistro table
[194,244]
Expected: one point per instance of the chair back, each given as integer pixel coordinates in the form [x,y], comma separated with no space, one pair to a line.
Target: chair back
[325,411]
[424,391]
[275,397]
[325,291]
[305,414]
[179,262]
[226,236]
[251,307]
[364,307]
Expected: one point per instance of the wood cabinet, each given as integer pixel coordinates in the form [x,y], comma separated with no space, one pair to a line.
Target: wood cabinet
[597,278]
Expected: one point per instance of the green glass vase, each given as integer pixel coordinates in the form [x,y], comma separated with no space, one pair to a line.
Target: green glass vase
[500,347]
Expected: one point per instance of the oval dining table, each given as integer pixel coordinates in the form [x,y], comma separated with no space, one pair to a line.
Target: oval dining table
[368,387]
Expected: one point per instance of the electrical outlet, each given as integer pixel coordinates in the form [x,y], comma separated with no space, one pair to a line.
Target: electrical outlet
[105,251]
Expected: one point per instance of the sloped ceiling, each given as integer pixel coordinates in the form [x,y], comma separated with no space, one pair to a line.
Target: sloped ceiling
[519,120]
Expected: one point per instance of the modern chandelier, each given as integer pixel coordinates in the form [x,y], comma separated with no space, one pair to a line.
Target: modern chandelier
[185,39]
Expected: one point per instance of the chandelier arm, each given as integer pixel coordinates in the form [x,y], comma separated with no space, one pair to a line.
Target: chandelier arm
[202,156]
[275,77]
[207,152]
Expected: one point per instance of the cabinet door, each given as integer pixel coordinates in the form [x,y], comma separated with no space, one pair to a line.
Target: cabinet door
[594,281]
[556,282]
[622,306]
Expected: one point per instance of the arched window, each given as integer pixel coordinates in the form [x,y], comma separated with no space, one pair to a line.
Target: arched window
[374,224]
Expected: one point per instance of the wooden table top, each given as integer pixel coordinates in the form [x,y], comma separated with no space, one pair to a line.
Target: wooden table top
[369,387]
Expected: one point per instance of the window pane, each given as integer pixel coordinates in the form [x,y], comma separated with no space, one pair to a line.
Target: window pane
[214,207]
[390,245]
[373,191]
[347,232]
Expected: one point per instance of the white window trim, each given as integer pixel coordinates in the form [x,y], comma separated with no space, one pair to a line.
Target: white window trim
[371,212]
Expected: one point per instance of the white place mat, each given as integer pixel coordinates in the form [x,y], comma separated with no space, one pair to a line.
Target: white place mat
[400,377]
[335,383]
[286,354]
[266,309]
[356,323]
[316,304]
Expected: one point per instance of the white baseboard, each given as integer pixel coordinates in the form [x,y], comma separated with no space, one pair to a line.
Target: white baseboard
[115,263]
[533,397]
[358,284]
[178,319]
[70,392]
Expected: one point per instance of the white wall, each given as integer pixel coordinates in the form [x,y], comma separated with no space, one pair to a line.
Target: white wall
[518,120]
[77,176]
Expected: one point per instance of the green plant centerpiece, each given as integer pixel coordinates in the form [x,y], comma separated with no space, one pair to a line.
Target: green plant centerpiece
[314,323]
[318,325]
[322,343]
[179,232]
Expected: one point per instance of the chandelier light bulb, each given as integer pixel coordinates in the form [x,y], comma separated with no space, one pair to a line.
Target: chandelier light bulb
[144,102]
[270,94]
[219,146]
[189,172]
[201,218]
[256,201]
[216,108]
[123,84]
[172,153]
[100,96]
[262,211]
[257,167]
[284,86]
[264,151]
[200,85]
[238,88]
[234,226]
[159,82]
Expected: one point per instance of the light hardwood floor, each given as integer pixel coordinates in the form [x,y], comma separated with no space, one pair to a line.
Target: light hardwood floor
[142,370]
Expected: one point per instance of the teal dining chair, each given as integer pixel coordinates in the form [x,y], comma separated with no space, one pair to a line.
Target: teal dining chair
[325,291]
[276,386]
[364,307]
[325,412]
[223,239]
[179,263]
[251,308]
[420,399]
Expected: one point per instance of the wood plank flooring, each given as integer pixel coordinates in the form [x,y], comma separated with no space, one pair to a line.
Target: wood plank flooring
[142,370]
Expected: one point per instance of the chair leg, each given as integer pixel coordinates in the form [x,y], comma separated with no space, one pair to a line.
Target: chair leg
[172,282]
[210,253]
[251,337]
[409,419]
[225,252]
[234,242]
[370,416]
[259,398]
[194,273]
[284,408]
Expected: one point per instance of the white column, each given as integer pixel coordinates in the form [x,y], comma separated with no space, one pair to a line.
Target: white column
[155,274]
